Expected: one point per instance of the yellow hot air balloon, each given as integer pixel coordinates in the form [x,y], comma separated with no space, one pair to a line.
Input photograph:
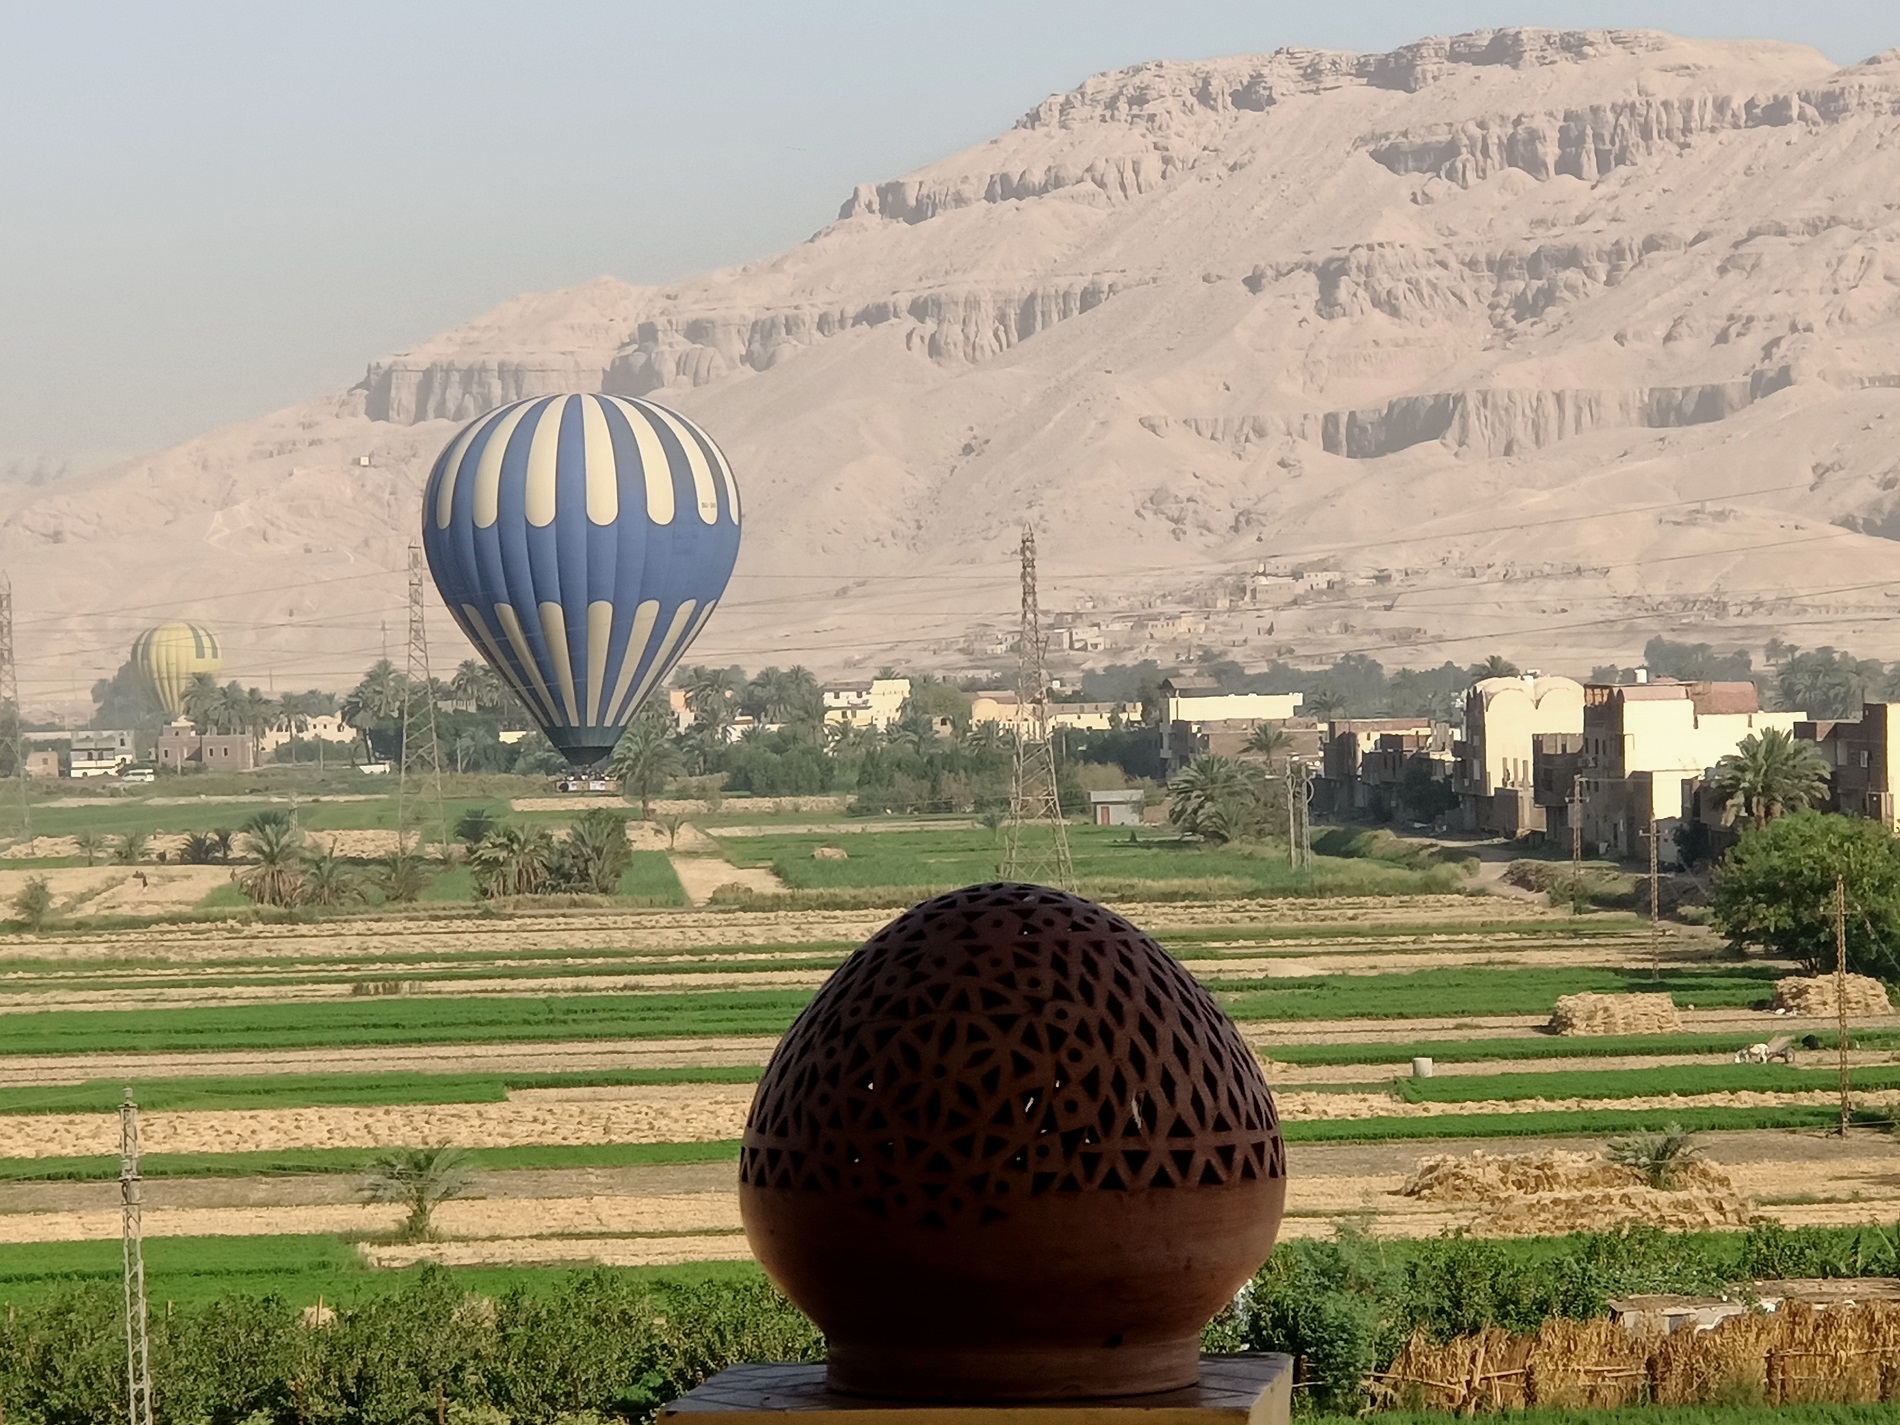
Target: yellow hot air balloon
[170,656]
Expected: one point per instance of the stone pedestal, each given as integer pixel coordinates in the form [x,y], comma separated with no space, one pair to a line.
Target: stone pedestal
[1254,1389]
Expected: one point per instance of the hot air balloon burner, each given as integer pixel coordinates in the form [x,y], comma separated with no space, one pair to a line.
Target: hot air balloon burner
[1012,1152]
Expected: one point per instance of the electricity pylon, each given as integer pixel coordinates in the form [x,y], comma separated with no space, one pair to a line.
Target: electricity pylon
[1034,801]
[15,730]
[419,739]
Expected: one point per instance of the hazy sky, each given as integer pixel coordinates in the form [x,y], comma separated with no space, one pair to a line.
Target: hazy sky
[211,210]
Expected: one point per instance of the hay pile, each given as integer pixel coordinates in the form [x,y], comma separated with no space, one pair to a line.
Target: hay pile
[1494,1177]
[1844,1355]
[1615,1014]
[1540,1194]
[1815,996]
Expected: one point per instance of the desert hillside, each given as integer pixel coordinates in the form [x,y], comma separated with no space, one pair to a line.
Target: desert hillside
[1522,341]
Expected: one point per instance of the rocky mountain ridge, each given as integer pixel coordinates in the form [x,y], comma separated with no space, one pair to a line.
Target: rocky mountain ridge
[1609,321]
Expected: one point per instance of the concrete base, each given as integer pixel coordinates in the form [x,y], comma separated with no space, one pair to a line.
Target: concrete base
[1255,1389]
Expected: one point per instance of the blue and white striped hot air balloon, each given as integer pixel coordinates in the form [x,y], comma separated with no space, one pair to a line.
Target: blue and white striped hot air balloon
[581,542]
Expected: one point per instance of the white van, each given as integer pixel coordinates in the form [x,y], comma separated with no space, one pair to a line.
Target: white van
[138,776]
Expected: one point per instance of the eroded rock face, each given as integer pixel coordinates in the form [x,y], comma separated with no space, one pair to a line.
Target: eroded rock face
[1196,316]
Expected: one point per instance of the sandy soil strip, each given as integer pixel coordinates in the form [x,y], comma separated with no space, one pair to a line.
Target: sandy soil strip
[711,981]
[1293,1076]
[504,1218]
[653,930]
[556,1058]
[700,876]
[661,1114]
[666,1113]
[559,1251]
[118,890]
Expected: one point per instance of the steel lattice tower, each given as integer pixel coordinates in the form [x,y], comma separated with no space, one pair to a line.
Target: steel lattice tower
[10,698]
[418,718]
[138,1356]
[1033,799]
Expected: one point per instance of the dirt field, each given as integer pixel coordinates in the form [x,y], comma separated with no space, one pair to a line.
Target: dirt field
[700,876]
[665,1214]
[118,890]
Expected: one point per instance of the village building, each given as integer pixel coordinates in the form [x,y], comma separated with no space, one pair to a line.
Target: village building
[100,754]
[1117,807]
[181,746]
[1362,758]
[873,703]
[1642,742]
[1494,763]
[1863,758]
[1189,705]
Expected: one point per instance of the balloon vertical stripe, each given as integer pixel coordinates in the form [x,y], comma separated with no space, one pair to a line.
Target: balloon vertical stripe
[582,542]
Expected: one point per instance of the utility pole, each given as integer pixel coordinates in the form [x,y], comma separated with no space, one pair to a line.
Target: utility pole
[138,1355]
[1655,908]
[15,730]
[1292,817]
[1576,845]
[1033,798]
[1840,997]
[419,721]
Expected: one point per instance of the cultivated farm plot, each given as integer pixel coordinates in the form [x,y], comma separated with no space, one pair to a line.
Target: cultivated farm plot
[598,1062]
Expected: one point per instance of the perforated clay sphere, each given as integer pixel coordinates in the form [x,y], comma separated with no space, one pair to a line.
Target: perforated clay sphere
[1011,1150]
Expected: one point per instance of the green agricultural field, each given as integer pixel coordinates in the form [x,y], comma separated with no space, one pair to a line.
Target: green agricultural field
[418,1020]
[446,1020]
[299,1269]
[304,1162]
[1107,862]
[1473,990]
[1471,1051]
[1642,1083]
[316,1090]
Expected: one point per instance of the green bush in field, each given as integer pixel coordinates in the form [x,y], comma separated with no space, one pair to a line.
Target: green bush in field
[599,1346]
[401,876]
[34,902]
[419,1179]
[132,848]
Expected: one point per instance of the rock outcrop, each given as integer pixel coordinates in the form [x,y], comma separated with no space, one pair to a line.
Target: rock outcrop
[1541,341]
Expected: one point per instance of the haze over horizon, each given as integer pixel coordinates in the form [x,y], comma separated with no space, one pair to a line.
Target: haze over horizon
[217,212]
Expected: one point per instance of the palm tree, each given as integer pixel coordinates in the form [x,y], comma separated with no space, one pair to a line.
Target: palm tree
[327,881]
[89,844]
[1659,1157]
[278,877]
[466,684]
[1771,773]
[1496,666]
[222,837]
[419,1178]
[596,854]
[1324,702]
[1269,741]
[401,876]
[131,848]
[200,849]
[204,703]
[377,701]
[644,760]
[473,825]
[670,822]
[1218,799]
[512,860]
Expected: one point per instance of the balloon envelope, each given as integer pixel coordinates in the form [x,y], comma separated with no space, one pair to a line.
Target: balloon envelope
[581,542]
[170,656]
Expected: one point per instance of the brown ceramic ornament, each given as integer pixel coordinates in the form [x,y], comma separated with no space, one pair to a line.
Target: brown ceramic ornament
[1011,1151]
